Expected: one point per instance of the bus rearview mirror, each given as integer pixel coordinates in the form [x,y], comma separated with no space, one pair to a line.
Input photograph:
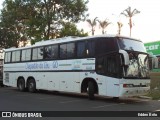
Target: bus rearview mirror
[126,57]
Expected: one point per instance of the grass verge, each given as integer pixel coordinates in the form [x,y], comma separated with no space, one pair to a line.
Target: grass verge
[154,94]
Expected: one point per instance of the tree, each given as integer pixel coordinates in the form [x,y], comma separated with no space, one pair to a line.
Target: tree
[92,24]
[70,29]
[39,19]
[11,23]
[104,24]
[2,40]
[120,25]
[129,13]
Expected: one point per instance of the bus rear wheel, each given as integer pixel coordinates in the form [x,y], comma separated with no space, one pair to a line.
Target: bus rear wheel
[91,90]
[21,84]
[115,98]
[31,85]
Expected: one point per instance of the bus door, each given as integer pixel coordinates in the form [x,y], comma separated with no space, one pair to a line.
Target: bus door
[109,66]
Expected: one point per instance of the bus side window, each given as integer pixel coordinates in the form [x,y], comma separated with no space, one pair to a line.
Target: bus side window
[26,55]
[54,51]
[40,53]
[90,48]
[67,50]
[81,49]
[16,56]
[47,52]
[63,51]
[70,50]
[7,57]
[13,56]
[51,52]
[37,53]
[104,45]
[34,54]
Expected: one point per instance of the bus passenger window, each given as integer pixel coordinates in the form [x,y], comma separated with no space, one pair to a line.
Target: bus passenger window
[81,49]
[13,56]
[54,51]
[34,54]
[90,48]
[40,53]
[7,57]
[37,53]
[51,52]
[63,51]
[16,56]
[70,50]
[48,52]
[26,55]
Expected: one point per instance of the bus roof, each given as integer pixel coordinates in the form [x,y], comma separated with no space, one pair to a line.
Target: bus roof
[66,39]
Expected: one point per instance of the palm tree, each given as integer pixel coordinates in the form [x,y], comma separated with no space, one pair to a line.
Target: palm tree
[104,24]
[120,25]
[129,13]
[92,23]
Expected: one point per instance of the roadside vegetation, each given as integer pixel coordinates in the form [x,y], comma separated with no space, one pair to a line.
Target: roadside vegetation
[36,20]
[154,92]
[23,21]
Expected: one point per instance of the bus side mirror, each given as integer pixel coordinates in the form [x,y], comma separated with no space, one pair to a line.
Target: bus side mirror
[155,61]
[126,57]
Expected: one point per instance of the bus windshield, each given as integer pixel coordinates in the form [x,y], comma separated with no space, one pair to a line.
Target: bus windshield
[138,65]
[131,44]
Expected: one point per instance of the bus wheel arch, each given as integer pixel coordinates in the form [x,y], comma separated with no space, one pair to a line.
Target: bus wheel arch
[31,84]
[21,83]
[90,86]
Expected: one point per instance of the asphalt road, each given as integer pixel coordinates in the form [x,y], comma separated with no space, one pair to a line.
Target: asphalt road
[13,100]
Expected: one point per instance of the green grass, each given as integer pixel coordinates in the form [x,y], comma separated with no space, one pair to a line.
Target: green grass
[155,86]
[154,94]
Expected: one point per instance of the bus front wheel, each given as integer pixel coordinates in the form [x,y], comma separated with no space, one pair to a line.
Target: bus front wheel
[115,98]
[91,90]
[31,85]
[21,84]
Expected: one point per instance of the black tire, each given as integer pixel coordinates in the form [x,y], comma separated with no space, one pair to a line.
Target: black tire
[1,84]
[31,85]
[21,84]
[115,98]
[91,90]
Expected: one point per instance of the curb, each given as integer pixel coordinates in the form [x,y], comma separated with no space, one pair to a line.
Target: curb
[145,97]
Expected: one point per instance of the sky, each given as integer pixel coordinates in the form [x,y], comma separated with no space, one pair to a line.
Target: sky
[146,23]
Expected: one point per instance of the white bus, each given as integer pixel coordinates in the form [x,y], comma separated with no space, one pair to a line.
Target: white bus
[1,66]
[107,65]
